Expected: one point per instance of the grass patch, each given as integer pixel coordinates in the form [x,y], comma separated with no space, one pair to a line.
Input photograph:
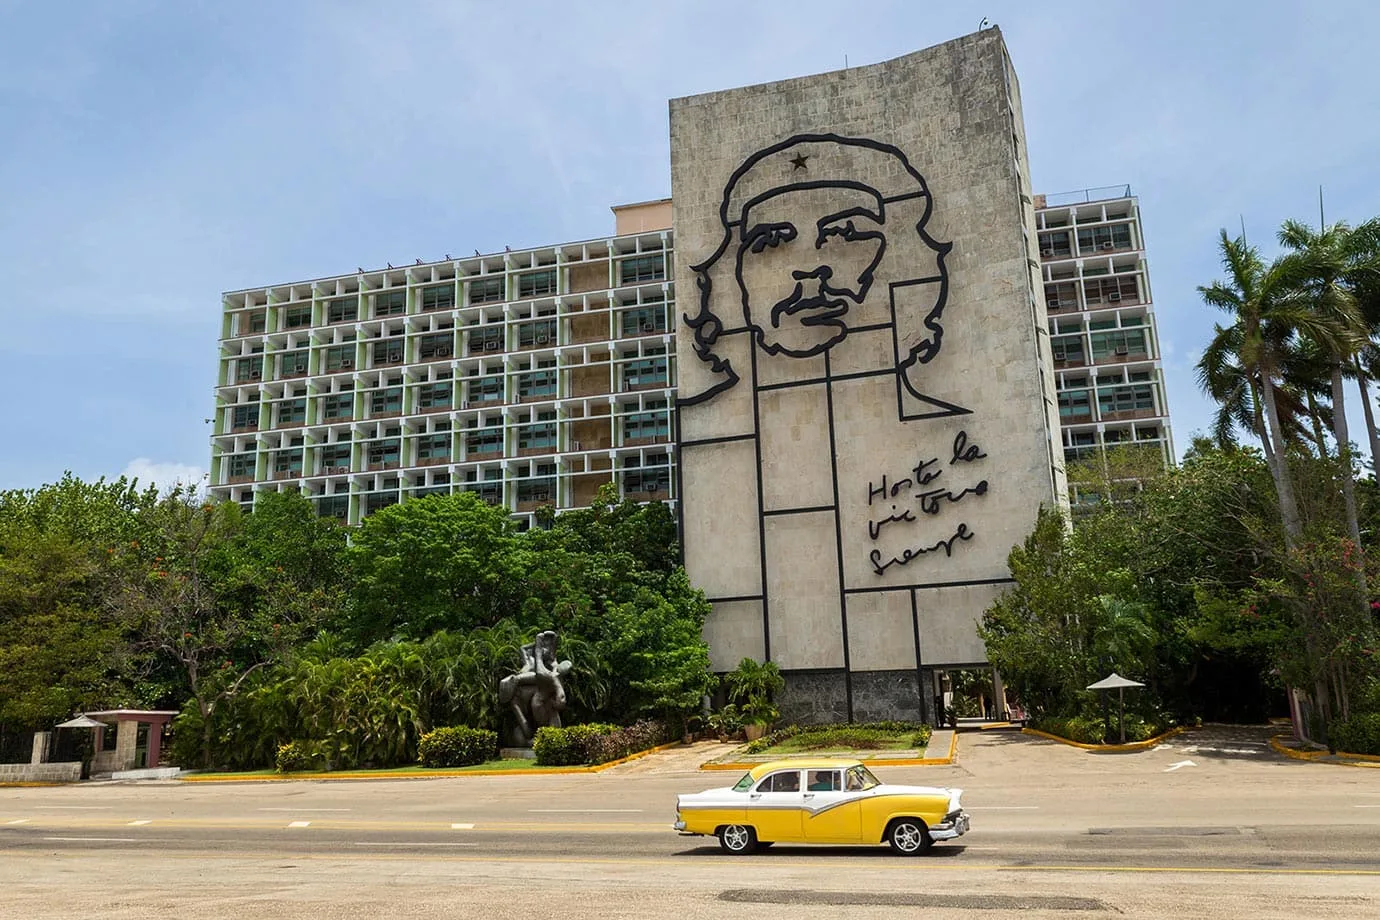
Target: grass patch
[514,766]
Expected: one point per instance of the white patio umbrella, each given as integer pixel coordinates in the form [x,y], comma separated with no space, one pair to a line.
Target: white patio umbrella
[81,721]
[1115,681]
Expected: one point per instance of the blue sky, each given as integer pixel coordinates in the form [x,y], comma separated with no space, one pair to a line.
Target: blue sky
[157,154]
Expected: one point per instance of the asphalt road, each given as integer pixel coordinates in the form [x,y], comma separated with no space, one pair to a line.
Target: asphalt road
[1213,825]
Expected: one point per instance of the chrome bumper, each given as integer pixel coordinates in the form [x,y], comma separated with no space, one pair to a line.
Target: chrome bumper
[952,826]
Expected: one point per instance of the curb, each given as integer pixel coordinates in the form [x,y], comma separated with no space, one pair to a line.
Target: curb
[870,764]
[429,774]
[1130,746]
[1321,756]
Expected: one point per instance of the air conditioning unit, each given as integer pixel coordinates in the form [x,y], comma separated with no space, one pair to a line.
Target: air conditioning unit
[1108,245]
[574,445]
[1046,252]
[1122,350]
[347,362]
[255,375]
[542,339]
[649,327]
[443,352]
[491,346]
[1114,296]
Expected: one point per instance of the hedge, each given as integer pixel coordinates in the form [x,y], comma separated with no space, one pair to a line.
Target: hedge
[1359,734]
[457,746]
[863,730]
[595,742]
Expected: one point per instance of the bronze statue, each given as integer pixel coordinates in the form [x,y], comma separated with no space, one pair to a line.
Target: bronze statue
[535,694]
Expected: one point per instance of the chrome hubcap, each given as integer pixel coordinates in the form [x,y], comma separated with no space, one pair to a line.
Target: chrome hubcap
[908,837]
[736,837]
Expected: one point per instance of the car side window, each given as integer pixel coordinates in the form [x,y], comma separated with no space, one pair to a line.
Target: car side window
[854,780]
[786,781]
[822,781]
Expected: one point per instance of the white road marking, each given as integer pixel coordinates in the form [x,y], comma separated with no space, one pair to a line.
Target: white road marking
[1354,806]
[139,823]
[300,824]
[584,811]
[1001,807]
[20,821]
[79,807]
[1183,763]
[462,827]
[100,839]
[305,809]
[370,843]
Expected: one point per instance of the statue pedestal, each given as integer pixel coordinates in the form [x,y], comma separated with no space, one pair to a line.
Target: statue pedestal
[510,753]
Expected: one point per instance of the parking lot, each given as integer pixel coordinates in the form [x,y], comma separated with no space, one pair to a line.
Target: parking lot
[1212,823]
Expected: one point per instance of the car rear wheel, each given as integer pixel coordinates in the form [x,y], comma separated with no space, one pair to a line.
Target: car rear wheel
[908,836]
[738,839]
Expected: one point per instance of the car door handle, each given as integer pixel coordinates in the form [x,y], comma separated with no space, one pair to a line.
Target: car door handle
[809,795]
[755,795]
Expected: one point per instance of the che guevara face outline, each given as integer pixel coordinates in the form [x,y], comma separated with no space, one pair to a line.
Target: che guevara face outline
[806,254]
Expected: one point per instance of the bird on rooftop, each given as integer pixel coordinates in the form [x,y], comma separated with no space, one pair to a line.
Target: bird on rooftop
[389,264]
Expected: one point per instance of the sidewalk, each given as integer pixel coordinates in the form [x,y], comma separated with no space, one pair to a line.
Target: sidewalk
[941,750]
[1302,750]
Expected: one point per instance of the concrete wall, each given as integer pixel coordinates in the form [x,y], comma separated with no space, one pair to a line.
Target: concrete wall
[867,414]
[39,772]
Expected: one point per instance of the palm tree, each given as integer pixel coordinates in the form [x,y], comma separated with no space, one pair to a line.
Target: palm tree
[1267,311]
[1326,266]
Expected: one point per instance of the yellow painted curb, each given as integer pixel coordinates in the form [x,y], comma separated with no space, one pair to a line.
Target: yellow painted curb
[989,725]
[1317,756]
[35,784]
[894,762]
[1107,748]
[428,774]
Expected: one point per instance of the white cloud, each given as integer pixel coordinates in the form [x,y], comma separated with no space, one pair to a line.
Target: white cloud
[163,475]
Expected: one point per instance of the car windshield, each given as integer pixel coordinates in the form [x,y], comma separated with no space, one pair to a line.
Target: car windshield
[744,784]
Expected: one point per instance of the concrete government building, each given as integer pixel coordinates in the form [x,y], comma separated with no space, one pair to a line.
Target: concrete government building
[884,349]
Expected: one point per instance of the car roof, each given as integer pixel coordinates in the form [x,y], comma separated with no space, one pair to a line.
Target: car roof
[803,763]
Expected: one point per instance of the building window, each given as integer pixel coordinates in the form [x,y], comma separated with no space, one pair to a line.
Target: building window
[537,284]
[1126,399]
[433,447]
[653,476]
[487,338]
[383,453]
[390,303]
[536,490]
[389,352]
[538,334]
[294,363]
[1068,349]
[249,369]
[642,269]
[644,320]
[441,297]
[435,396]
[241,466]
[537,384]
[340,358]
[1055,245]
[382,402]
[486,290]
[1094,239]
[377,501]
[342,310]
[252,323]
[337,406]
[333,506]
[484,441]
[646,371]
[430,347]
[1074,404]
[1121,343]
[537,437]
[655,423]
[297,317]
[288,462]
[485,389]
[335,458]
[242,417]
[292,412]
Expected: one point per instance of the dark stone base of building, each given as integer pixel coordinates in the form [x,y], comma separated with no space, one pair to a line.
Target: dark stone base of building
[818,697]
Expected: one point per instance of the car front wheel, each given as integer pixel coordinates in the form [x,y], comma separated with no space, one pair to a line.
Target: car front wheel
[909,837]
[738,839]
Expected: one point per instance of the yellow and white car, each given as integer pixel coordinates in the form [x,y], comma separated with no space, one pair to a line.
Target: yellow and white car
[821,801]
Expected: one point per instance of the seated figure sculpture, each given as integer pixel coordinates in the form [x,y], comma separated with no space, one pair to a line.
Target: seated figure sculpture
[535,695]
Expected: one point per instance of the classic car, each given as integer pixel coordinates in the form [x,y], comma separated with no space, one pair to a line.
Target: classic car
[821,801]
